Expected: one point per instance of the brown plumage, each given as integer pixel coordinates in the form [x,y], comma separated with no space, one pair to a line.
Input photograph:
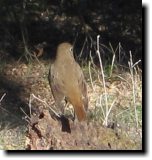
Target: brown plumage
[67,81]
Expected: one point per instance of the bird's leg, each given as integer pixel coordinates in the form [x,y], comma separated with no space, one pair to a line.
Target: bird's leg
[71,111]
[61,106]
[74,116]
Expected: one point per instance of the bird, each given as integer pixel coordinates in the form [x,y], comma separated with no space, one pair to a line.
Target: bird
[67,81]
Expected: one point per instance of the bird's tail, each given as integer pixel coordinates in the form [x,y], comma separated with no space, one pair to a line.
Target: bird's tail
[79,109]
[80,112]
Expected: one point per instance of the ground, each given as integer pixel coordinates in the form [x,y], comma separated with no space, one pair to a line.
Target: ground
[27,120]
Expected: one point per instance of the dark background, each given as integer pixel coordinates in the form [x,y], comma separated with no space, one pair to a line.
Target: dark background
[26,23]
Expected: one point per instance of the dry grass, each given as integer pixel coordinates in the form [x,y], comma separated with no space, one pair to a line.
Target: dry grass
[115,96]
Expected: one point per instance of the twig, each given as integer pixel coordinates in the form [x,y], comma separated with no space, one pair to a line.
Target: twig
[102,107]
[25,113]
[8,112]
[136,63]
[104,46]
[96,107]
[111,69]
[75,39]
[122,112]
[113,58]
[131,67]
[103,80]
[27,118]
[83,47]
[106,118]
[46,105]
[119,50]
[91,76]
[123,79]
[99,77]
[90,54]
[30,106]
[2,97]
[32,97]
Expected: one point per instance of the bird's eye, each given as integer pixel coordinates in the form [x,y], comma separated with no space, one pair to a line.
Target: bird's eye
[71,49]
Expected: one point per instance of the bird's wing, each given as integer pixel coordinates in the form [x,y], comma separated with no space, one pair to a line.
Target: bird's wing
[54,81]
[83,87]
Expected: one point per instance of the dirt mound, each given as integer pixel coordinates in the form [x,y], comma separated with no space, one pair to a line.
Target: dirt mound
[47,133]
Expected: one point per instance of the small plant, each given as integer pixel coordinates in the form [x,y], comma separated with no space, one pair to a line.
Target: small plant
[115,97]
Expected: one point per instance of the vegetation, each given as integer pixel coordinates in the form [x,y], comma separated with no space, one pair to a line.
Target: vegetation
[26,23]
[107,43]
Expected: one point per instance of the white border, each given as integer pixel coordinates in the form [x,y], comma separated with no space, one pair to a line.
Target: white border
[148,4]
[148,80]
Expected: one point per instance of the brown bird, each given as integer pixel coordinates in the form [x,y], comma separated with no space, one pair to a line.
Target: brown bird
[67,81]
